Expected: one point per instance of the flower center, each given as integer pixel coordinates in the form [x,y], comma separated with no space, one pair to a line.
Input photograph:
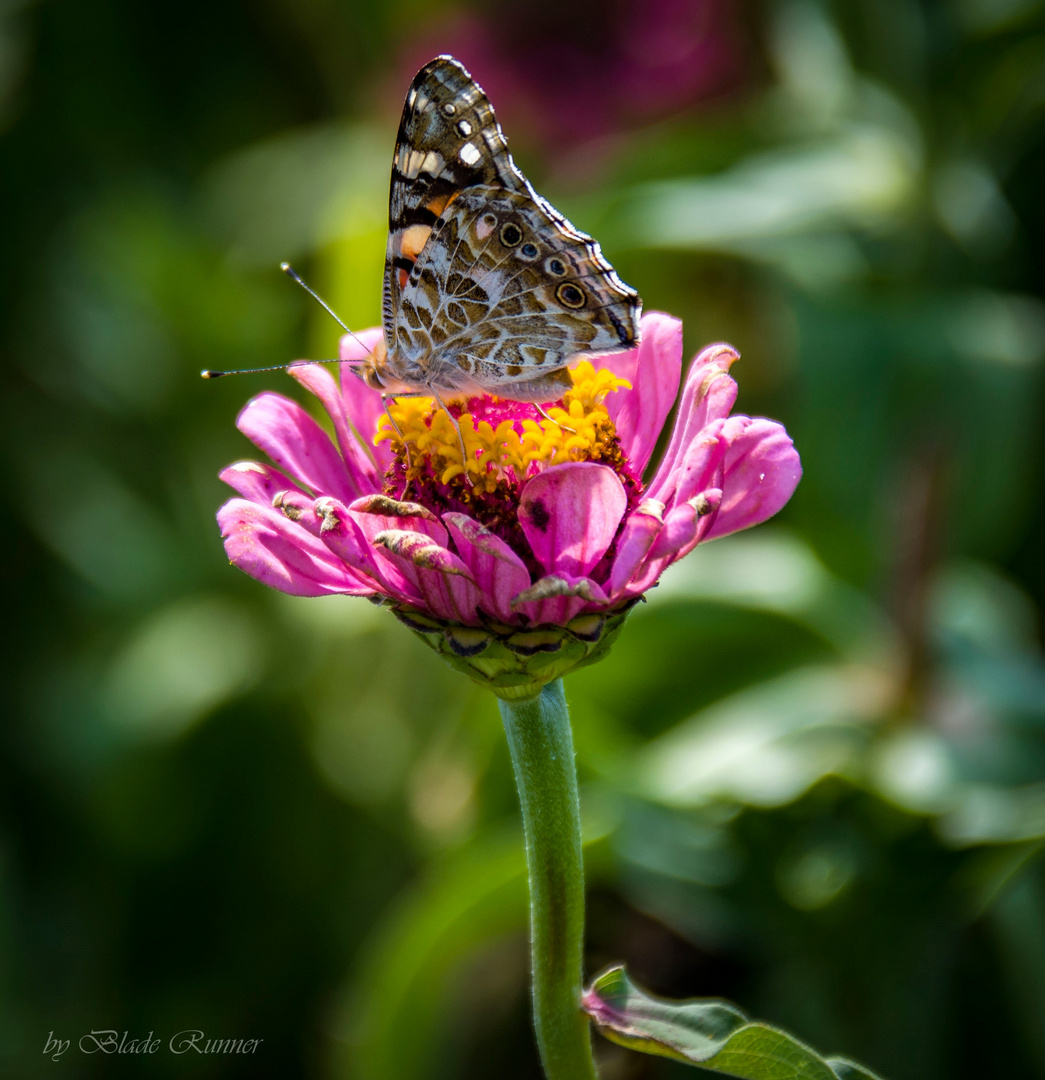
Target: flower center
[505,443]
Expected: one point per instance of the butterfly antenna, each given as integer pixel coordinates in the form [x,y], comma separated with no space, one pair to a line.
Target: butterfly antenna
[291,273]
[295,276]
[207,373]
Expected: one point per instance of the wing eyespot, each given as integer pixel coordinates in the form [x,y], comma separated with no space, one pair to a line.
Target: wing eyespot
[511,234]
[529,251]
[449,108]
[556,267]
[571,296]
[464,128]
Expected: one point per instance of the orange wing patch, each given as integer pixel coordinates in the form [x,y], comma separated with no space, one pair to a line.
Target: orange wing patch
[414,239]
[440,203]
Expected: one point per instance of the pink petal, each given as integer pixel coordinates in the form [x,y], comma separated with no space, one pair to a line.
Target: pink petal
[639,533]
[761,472]
[445,583]
[559,597]
[403,545]
[277,552]
[653,369]
[359,345]
[257,482]
[570,515]
[346,538]
[355,447]
[701,466]
[498,571]
[708,395]
[423,552]
[377,512]
[297,444]
[685,526]
[299,508]
[364,405]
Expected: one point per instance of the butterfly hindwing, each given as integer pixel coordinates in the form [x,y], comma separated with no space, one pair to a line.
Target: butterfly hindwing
[506,294]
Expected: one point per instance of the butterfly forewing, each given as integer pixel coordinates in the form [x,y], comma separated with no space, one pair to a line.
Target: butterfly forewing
[437,156]
[487,287]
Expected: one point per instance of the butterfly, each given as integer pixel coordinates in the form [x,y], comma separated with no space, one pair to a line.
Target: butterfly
[487,288]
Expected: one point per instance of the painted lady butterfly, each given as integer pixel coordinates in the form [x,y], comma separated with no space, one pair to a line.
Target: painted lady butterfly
[487,287]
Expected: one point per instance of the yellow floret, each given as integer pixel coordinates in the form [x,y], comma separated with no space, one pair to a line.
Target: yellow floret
[582,431]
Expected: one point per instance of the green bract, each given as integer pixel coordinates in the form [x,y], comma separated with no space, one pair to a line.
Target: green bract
[515,664]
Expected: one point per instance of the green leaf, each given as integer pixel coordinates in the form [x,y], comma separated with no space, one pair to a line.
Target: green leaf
[712,1034]
[849,1070]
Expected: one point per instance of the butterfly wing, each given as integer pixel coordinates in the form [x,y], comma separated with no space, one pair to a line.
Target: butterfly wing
[448,141]
[506,292]
[487,286]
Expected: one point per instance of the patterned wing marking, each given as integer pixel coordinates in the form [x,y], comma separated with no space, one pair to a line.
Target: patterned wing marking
[505,287]
[448,140]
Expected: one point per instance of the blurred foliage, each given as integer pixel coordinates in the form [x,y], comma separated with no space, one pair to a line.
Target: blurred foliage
[814,768]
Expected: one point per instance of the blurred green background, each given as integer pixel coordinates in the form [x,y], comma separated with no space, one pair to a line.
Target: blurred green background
[813,770]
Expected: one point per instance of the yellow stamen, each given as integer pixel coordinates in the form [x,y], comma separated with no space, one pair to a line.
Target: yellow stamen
[581,431]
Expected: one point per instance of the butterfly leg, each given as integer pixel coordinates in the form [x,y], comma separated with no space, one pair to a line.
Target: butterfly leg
[460,435]
[392,420]
[561,427]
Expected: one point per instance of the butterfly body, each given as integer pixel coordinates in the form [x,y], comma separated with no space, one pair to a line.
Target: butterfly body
[487,287]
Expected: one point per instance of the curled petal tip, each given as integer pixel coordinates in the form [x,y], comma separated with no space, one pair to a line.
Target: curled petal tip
[653,508]
[721,351]
[386,506]
[422,552]
[554,586]
[282,501]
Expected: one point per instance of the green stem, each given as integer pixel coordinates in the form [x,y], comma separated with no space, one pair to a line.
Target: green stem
[541,746]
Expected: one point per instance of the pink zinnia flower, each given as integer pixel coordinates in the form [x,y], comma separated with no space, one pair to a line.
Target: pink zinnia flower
[525,568]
